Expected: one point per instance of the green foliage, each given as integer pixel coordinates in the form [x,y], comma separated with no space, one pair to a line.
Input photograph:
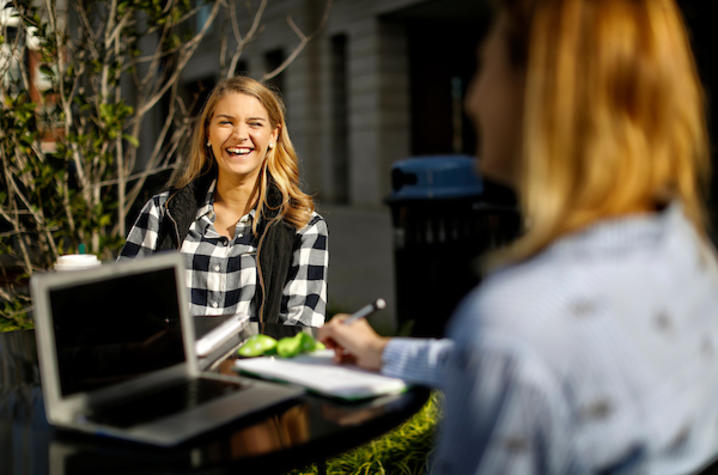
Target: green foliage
[406,450]
[14,315]
[54,200]
[75,86]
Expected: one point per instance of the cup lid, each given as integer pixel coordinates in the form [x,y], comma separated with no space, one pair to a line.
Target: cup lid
[76,261]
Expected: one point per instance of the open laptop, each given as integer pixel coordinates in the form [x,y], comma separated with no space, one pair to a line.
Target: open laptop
[117,355]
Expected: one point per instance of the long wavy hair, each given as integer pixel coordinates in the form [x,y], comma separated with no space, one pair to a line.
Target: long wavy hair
[280,164]
[613,114]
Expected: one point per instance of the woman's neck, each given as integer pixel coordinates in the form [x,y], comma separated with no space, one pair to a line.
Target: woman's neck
[237,195]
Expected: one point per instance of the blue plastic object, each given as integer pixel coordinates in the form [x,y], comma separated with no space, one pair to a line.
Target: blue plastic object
[435,177]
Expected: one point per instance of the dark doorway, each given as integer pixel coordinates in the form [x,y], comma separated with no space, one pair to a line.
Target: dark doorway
[442,61]
[442,37]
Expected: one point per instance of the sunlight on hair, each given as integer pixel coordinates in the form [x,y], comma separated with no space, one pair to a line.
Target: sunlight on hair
[614,119]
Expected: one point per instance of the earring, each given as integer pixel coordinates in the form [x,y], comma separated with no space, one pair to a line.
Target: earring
[209,144]
[271,145]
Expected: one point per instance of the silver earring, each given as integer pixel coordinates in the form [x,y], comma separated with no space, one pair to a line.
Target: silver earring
[271,145]
[209,144]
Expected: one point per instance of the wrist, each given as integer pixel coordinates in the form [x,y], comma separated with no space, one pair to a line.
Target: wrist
[378,347]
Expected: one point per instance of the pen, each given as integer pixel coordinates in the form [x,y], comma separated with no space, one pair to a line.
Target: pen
[365,311]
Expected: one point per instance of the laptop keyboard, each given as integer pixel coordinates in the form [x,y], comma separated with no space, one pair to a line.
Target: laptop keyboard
[164,402]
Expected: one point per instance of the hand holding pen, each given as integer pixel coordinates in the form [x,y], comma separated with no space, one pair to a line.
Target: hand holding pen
[353,339]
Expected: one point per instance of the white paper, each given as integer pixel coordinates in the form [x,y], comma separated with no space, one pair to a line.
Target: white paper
[318,372]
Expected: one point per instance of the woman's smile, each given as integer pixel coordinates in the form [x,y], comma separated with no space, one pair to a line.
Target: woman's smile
[239,152]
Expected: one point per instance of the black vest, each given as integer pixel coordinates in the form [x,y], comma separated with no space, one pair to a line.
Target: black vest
[274,250]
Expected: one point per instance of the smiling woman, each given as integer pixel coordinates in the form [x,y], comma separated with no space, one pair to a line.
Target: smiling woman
[251,239]
[240,136]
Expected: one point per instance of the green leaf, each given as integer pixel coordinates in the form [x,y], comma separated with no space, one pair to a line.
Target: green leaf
[47,70]
[132,140]
[105,112]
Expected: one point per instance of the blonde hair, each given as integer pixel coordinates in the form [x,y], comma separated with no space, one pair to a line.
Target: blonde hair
[613,118]
[281,162]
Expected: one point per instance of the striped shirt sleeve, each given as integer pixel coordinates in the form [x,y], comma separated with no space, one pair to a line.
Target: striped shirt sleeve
[418,361]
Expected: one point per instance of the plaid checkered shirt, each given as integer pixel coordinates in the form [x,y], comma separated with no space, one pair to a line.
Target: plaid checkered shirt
[222,273]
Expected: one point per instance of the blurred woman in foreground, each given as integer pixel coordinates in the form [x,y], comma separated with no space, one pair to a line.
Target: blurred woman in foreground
[593,345]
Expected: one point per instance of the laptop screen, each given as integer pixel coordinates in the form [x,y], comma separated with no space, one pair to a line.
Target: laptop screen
[116,328]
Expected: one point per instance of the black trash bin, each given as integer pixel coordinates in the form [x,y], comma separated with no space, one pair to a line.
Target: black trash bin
[444,218]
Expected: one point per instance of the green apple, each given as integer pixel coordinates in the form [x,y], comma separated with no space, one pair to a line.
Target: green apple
[258,345]
[290,346]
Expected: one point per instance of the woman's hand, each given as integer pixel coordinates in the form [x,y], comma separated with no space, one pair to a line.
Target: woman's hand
[354,343]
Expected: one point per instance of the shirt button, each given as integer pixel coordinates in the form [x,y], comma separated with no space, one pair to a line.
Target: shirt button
[225,241]
[216,268]
[240,235]
[214,304]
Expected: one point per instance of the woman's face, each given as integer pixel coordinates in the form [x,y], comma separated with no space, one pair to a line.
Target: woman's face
[240,134]
[495,102]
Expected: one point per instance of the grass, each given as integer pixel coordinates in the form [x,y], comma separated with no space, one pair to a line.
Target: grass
[406,450]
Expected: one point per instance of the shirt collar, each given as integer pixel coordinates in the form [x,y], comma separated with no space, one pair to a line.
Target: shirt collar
[207,210]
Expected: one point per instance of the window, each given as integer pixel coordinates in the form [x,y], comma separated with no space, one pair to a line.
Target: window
[272,60]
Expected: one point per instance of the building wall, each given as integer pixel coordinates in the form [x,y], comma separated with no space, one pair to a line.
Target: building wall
[377,108]
[348,116]
[347,98]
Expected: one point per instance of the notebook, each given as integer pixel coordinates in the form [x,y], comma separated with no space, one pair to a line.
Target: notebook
[318,372]
[117,356]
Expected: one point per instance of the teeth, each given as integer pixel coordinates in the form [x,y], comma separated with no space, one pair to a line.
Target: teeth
[239,151]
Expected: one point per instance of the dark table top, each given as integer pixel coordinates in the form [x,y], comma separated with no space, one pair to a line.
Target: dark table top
[288,436]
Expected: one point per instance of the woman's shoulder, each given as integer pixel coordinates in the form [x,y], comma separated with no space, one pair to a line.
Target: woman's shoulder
[628,265]
[532,296]
[315,225]
[156,204]
[158,201]
[514,293]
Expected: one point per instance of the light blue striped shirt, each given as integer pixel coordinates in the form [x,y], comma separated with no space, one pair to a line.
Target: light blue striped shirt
[599,354]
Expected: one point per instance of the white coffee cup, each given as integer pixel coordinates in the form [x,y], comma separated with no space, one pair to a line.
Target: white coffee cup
[76,262]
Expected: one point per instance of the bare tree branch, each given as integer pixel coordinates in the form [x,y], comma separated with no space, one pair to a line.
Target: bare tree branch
[37,215]
[82,13]
[5,295]
[115,35]
[142,174]
[304,39]
[243,41]
[185,56]
[49,205]
[14,222]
